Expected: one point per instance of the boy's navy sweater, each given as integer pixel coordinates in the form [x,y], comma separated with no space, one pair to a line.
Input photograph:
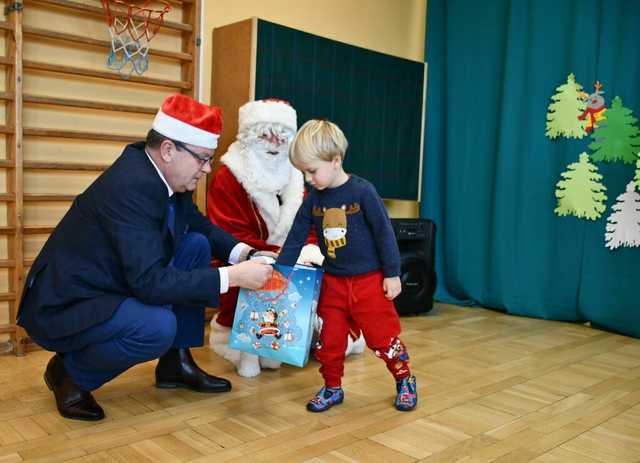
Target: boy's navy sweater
[369,243]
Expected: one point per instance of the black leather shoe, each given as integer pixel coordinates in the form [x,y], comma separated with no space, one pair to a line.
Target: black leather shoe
[72,402]
[177,368]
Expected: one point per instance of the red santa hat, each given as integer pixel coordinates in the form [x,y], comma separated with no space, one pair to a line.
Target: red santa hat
[184,119]
[269,111]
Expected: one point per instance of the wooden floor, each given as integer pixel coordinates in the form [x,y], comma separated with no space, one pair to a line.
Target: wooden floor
[492,388]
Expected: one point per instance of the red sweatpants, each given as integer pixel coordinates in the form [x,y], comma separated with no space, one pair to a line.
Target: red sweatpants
[343,300]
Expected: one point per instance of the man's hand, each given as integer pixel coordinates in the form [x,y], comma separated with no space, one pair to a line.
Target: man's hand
[392,287]
[249,274]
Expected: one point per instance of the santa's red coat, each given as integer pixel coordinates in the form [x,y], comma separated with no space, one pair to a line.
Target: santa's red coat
[230,207]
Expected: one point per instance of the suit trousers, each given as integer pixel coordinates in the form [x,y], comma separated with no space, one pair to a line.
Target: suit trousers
[136,332]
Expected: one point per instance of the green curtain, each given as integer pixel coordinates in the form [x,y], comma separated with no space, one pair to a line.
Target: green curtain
[490,172]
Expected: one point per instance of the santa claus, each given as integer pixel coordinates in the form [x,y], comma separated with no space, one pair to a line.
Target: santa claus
[255,195]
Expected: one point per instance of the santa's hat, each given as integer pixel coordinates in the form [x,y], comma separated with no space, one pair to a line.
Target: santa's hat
[269,111]
[184,119]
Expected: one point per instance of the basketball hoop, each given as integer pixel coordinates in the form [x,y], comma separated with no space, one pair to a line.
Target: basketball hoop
[132,25]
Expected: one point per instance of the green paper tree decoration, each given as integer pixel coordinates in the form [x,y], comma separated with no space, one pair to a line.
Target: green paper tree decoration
[568,104]
[618,138]
[581,193]
[637,177]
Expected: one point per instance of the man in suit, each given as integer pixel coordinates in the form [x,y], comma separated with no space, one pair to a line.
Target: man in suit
[125,276]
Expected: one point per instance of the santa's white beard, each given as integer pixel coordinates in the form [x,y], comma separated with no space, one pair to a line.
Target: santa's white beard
[268,175]
[273,184]
[267,172]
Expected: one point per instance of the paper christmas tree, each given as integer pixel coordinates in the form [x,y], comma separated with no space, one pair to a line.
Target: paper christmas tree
[563,115]
[623,225]
[581,193]
[618,138]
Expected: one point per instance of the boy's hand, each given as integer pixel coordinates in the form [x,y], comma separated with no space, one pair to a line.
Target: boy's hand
[310,254]
[392,287]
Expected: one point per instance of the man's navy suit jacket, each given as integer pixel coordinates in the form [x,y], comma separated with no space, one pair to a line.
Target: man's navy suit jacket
[114,243]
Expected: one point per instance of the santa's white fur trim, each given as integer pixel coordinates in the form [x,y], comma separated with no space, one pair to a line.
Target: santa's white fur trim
[355,347]
[248,366]
[219,340]
[291,198]
[269,111]
[270,364]
[263,185]
[181,131]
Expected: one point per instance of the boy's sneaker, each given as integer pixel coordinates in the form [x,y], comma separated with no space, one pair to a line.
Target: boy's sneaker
[326,398]
[407,397]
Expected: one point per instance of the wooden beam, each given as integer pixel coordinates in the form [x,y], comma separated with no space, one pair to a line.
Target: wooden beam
[15,181]
[96,10]
[33,197]
[7,328]
[41,165]
[9,229]
[89,104]
[72,70]
[5,297]
[7,263]
[38,230]
[46,165]
[52,35]
[191,44]
[54,133]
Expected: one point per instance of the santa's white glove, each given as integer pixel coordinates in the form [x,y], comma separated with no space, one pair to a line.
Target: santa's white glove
[310,254]
[268,257]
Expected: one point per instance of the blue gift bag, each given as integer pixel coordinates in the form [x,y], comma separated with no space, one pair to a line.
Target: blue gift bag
[277,320]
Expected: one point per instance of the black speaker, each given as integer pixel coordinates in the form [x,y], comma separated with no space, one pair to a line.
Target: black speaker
[416,240]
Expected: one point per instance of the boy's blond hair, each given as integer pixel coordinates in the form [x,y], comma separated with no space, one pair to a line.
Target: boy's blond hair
[317,140]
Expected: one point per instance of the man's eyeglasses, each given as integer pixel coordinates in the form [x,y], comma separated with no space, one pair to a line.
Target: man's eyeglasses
[203,160]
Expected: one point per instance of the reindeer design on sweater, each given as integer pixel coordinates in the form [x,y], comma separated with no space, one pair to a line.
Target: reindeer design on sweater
[334,225]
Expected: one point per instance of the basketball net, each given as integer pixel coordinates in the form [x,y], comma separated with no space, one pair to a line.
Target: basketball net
[132,25]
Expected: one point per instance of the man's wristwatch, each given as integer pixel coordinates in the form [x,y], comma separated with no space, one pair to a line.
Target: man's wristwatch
[251,253]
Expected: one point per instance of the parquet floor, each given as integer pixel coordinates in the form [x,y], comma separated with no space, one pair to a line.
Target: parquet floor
[493,388]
